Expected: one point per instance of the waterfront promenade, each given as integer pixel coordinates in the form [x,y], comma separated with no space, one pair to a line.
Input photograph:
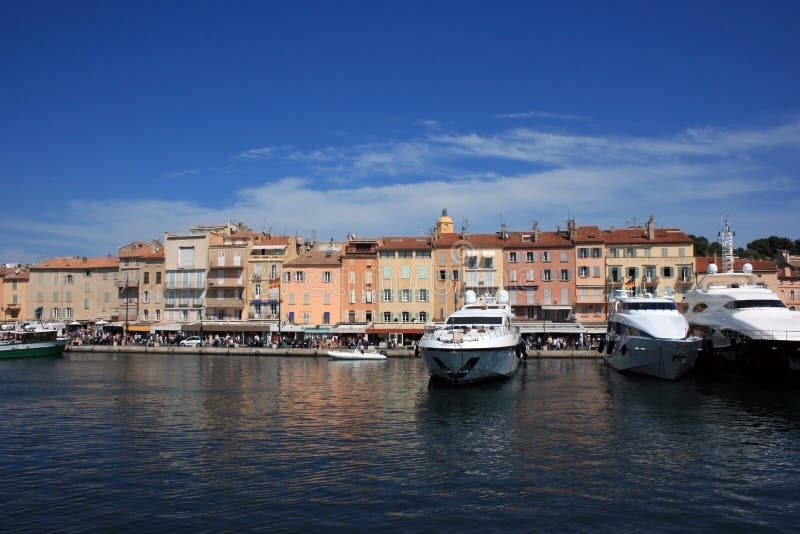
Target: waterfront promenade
[265,351]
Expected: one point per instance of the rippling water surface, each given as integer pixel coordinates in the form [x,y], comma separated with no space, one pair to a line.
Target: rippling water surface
[100,442]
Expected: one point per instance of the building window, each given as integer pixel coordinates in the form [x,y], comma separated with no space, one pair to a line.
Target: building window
[406,317]
[387,273]
[512,257]
[547,275]
[666,272]
[69,280]
[146,277]
[422,272]
[546,256]
[351,296]
[529,275]
[596,271]
[564,256]
[563,275]
[55,313]
[299,276]
[387,295]
[685,274]
[583,253]
[512,276]
[68,313]
[326,277]
[583,272]
[405,295]
[422,295]
[530,257]
[405,271]
[597,253]
[387,317]
[55,296]
[158,277]
[423,316]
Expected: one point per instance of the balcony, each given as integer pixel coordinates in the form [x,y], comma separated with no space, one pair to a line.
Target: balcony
[178,284]
[230,264]
[226,282]
[224,303]
[130,283]
[650,280]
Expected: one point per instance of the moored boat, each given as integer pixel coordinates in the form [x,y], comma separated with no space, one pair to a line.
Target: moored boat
[478,342]
[648,335]
[31,343]
[356,354]
[747,330]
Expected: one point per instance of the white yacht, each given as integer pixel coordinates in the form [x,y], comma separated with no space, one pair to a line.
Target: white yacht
[746,328]
[478,342]
[649,336]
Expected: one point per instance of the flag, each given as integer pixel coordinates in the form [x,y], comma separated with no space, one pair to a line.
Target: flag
[274,283]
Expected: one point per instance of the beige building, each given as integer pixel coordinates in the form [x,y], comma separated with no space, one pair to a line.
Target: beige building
[14,292]
[649,260]
[265,262]
[79,289]
[185,273]
[788,269]
[227,280]
[141,285]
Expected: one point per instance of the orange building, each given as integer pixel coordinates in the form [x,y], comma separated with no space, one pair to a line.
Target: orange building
[311,288]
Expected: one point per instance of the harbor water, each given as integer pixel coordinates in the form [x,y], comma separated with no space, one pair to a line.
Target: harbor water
[150,442]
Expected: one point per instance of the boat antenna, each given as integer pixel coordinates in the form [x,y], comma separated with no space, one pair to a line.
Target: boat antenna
[725,238]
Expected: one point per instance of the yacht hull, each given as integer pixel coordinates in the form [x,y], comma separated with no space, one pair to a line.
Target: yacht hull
[757,358]
[668,359]
[469,366]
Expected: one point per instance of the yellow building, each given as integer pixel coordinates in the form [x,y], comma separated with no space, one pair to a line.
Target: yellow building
[141,287]
[74,289]
[14,292]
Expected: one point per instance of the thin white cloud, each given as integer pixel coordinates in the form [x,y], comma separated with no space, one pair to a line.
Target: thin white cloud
[687,180]
[540,115]
[181,174]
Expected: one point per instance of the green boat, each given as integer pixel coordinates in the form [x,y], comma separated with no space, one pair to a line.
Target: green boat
[31,344]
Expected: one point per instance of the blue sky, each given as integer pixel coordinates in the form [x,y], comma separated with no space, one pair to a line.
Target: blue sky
[120,121]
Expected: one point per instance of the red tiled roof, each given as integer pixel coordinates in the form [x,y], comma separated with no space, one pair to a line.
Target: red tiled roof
[66,262]
[701,264]
[314,258]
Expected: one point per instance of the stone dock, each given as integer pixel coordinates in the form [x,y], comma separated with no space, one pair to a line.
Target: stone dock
[309,353]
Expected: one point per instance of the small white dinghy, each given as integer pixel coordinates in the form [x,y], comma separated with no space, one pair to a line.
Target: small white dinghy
[356,354]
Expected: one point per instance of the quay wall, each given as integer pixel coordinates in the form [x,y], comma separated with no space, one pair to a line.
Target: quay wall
[312,353]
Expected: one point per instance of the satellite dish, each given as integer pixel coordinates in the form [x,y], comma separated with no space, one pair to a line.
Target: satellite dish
[712,268]
[747,268]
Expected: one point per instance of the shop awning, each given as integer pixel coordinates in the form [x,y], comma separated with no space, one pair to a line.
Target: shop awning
[139,328]
[396,329]
[556,307]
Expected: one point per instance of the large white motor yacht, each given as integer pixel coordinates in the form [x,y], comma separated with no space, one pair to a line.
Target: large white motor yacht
[746,328]
[649,336]
[476,343]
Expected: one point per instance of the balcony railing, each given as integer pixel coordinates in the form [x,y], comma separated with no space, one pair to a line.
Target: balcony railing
[224,303]
[130,283]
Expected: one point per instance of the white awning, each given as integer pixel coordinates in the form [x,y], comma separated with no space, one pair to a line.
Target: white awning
[487,253]
[268,247]
[556,307]
[470,253]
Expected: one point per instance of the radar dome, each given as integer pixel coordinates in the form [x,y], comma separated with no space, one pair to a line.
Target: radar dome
[747,268]
[470,297]
[502,296]
[712,268]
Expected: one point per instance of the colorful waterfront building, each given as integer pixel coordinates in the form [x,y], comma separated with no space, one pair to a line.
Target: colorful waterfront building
[788,272]
[643,259]
[14,291]
[310,289]
[68,289]
[141,285]
[405,285]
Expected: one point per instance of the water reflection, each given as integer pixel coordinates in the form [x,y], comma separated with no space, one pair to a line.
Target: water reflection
[201,442]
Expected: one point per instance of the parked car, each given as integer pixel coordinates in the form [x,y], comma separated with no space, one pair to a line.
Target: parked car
[191,341]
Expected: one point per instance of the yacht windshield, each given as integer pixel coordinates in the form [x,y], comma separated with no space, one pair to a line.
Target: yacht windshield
[474,320]
[758,303]
[650,306]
